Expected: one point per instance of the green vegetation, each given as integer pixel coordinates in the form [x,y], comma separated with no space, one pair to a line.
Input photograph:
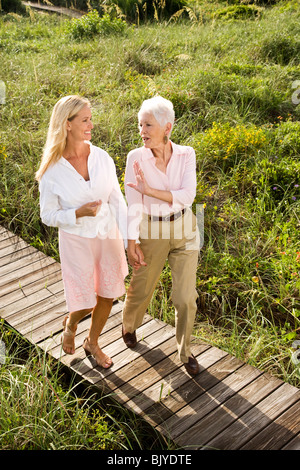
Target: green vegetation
[92,24]
[41,409]
[231,79]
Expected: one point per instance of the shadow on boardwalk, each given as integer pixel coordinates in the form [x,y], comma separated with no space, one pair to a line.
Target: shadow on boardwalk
[229,405]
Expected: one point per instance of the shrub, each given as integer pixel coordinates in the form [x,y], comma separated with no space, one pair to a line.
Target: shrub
[281,179]
[237,12]
[287,139]
[227,144]
[280,49]
[92,24]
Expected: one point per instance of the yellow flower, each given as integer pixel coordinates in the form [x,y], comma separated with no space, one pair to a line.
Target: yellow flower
[255,279]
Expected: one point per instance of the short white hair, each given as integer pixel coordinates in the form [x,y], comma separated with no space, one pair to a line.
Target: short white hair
[161,108]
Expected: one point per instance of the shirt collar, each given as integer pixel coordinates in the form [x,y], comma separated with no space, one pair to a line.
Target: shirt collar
[147,153]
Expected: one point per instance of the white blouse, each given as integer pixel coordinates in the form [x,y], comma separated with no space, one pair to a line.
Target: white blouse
[63,190]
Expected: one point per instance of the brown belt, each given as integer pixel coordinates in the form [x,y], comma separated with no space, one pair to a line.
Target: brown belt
[166,218]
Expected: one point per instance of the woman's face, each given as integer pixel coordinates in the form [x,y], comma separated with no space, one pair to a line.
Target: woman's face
[151,131]
[80,127]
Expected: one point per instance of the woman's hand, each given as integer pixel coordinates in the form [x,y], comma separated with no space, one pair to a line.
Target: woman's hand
[88,210]
[135,255]
[141,184]
[143,187]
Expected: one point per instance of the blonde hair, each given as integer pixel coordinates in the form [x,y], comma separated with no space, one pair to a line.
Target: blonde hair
[64,110]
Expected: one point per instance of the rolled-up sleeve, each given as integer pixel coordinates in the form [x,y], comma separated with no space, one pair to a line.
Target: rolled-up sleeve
[185,195]
[134,200]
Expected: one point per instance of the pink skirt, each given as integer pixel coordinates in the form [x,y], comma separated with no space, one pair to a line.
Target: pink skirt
[91,267]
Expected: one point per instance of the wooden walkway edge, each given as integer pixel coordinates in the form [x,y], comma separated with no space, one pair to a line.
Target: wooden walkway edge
[54,9]
[229,406]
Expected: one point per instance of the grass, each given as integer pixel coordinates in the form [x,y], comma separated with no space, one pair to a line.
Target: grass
[231,82]
[43,408]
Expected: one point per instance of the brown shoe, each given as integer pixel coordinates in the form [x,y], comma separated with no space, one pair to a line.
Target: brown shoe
[129,339]
[192,366]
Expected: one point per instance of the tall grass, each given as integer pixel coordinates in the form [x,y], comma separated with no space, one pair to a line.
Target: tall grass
[42,408]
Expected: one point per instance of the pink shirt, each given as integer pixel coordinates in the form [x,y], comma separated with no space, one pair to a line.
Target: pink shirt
[179,179]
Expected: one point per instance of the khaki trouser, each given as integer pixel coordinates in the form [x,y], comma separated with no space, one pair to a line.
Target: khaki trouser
[177,241]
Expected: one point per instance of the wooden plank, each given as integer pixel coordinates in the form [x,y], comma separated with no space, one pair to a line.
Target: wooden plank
[50,309]
[36,296]
[199,414]
[11,241]
[20,263]
[176,381]
[46,326]
[24,271]
[6,234]
[11,249]
[59,10]
[251,422]
[16,255]
[278,432]
[25,308]
[117,378]
[210,375]
[20,280]
[149,381]
[38,282]
[147,354]
[294,444]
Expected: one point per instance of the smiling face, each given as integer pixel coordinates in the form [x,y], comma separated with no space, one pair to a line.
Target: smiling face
[80,127]
[151,131]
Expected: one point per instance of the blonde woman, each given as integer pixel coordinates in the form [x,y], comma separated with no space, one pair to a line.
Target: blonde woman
[80,194]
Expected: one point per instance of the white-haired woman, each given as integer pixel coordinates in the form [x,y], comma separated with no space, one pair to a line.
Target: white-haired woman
[80,194]
[160,187]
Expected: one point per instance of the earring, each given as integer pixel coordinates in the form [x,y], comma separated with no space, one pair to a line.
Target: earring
[165,139]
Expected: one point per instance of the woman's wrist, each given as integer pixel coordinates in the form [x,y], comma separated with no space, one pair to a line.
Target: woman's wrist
[131,245]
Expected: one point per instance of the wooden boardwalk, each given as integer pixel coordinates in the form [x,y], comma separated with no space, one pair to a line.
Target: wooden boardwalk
[53,9]
[229,405]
